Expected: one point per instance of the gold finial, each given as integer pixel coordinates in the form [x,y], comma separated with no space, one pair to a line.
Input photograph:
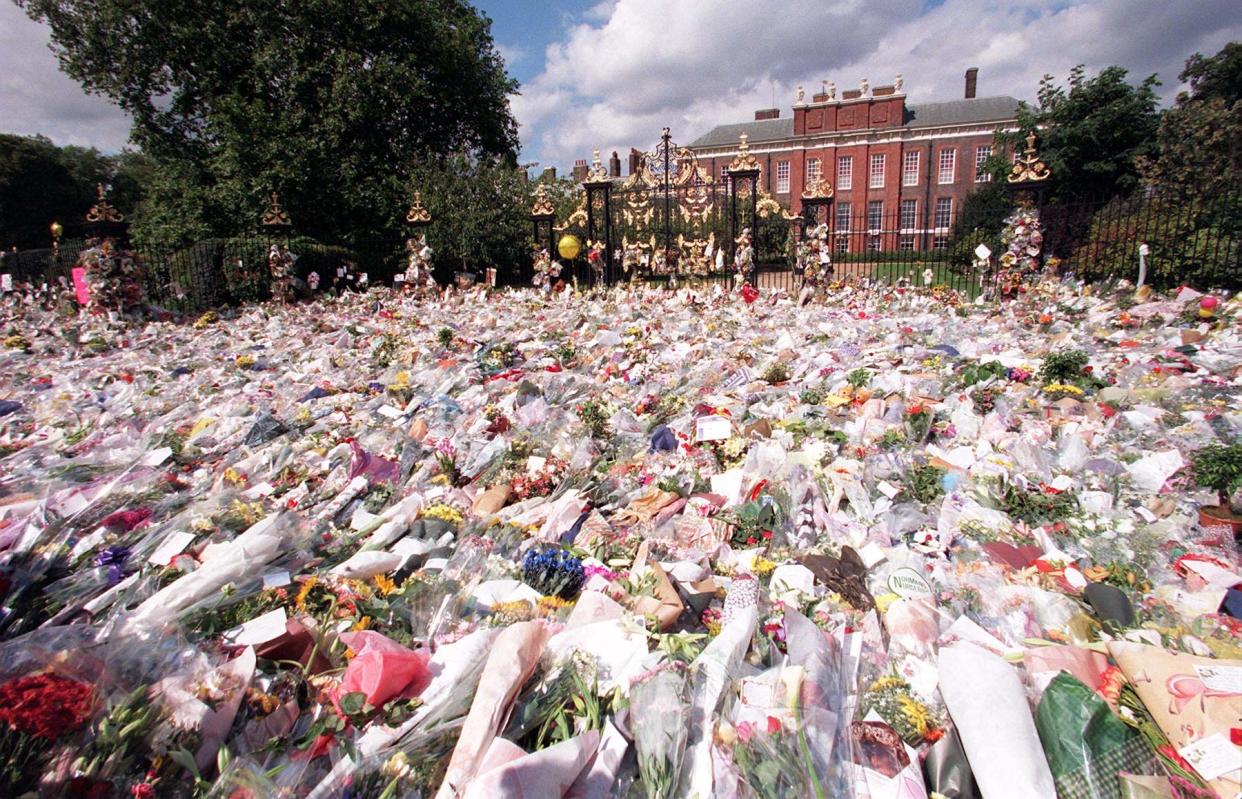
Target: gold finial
[743,161]
[101,211]
[597,173]
[1029,168]
[543,206]
[275,215]
[418,213]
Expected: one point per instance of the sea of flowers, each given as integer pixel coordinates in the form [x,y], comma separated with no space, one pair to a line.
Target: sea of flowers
[635,543]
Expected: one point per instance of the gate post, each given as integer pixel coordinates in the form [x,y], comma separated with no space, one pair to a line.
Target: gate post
[817,195]
[542,215]
[743,173]
[598,186]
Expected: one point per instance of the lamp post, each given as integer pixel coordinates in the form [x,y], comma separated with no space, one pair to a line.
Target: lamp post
[57,230]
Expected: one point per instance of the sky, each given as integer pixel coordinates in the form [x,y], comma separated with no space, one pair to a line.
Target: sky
[611,74]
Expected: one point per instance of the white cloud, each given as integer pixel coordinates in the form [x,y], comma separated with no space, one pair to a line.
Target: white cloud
[630,67]
[511,53]
[36,97]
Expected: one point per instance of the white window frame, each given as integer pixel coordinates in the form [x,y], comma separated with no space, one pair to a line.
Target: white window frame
[875,179]
[877,218]
[782,181]
[945,205]
[910,168]
[913,219]
[845,172]
[982,153]
[815,174]
[949,170]
[843,210]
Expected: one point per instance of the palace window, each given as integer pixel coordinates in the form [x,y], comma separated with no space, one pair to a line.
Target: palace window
[982,154]
[910,168]
[845,172]
[948,165]
[877,171]
[812,170]
[843,217]
[875,215]
[782,177]
[944,213]
[909,212]
[906,244]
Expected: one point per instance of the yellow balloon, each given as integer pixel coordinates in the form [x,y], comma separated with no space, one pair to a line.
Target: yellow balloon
[569,247]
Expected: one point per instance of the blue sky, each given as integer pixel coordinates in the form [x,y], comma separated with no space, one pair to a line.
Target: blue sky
[611,73]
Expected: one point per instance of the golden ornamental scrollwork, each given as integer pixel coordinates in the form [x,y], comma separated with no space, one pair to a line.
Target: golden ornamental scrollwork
[418,213]
[578,217]
[101,211]
[543,206]
[275,215]
[597,173]
[818,189]
[744,160]
[1029,168]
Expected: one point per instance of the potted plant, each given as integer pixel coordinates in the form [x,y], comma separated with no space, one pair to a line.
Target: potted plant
[1219,466]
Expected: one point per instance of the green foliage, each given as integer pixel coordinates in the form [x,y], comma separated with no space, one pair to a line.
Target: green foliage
[445,336]
[776,373]
[924,483]
[478,210]
[1034,506]
[983,214]
[41,183]
[326,102]
[858,377]
[1219,467]
[1195,240]
[1063,367]
[977,372]
[1091,133]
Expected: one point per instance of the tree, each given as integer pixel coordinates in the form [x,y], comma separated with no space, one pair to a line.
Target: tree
[479,211]
[1092,134]
[41,183]
[1200,137]
[325,101]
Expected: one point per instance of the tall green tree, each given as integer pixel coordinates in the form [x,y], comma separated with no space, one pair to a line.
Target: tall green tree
[479,210]
[1092,133]
[41,183]
[325,101]
[1200,137]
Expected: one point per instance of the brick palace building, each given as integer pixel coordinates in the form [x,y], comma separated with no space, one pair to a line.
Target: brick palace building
[898,172]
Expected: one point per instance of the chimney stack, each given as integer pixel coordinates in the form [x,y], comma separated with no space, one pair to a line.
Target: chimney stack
[614,165]
[767,113]
[972,78]
[635,155]
[580,170]
[549,172]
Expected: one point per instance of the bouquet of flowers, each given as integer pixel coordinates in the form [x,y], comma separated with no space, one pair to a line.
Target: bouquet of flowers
[660,720]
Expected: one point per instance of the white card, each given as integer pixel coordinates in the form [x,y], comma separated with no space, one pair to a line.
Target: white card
[260,629]
[174,544]
[906,582]
[276,579]
[888,489]
[712,428]
[1227,679]
[1212,756]
[6,282]
[398,278]
[340,271]
[435,564]
[389,412]
[156,456]
[411,546]
[534,463]
[261,490]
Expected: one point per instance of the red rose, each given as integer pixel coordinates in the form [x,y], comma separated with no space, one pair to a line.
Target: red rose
[46,705]
[774,725]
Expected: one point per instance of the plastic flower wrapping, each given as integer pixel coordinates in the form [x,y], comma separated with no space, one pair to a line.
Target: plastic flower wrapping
[868,541]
